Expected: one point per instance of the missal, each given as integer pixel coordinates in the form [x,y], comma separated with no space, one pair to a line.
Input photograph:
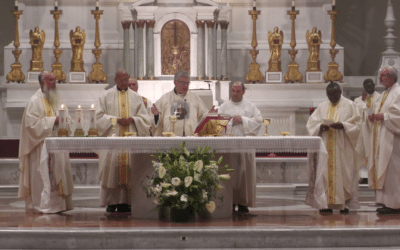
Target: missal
[212,124]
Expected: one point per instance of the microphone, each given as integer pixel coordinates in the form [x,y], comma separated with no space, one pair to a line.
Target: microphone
[184,119]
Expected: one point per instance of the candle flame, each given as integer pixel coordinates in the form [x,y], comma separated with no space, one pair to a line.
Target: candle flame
[62,106]
[92,106]
[79,106]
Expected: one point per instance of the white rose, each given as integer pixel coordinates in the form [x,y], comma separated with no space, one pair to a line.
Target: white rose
[197,176]
[184,197]
[176,181]
[161,172]
[158,188]
[188,181]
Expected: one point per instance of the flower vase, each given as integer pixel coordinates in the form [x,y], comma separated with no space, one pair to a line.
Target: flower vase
[203,214]
[163,214]
[182,215]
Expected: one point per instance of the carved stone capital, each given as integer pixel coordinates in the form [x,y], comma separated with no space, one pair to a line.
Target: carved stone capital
[200,24]
[140,24]
[224,24]
[210,24]
[150,24]
[126,25]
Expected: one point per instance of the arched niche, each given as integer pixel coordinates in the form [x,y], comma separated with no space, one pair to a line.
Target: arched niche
[157,41]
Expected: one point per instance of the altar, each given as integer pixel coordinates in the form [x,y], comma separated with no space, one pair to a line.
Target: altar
[137,146]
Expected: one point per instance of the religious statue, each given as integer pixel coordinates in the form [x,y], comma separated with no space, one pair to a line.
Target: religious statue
[314,41]
[37,40]
[275,40]
[77,39]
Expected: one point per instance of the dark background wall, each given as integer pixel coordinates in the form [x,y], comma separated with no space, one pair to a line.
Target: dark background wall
[360,30]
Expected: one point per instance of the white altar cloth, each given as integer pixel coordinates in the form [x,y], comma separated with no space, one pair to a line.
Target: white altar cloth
[312,145]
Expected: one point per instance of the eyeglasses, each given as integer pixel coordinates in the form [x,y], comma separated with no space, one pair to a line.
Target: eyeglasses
[184,83]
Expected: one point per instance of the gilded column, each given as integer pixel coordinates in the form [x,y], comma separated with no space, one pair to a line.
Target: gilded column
[224,49]
[140,49]
[150,49]
[126,25]
[200,49]
[210,49]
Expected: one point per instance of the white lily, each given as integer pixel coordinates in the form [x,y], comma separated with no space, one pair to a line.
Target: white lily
[188,181]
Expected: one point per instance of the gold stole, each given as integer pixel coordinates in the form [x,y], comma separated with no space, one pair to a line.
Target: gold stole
[368,101]
[144,101]
[375,138]
[331,147]
[123,162]
[49,112]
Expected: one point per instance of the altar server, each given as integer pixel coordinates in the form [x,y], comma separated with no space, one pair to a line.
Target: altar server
[45,181]
[115,171]
[384,167]
[337,122]
[246,121]
[187,106]
[365,104]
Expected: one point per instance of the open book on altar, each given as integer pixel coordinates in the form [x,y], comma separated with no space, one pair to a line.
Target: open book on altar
[212,124]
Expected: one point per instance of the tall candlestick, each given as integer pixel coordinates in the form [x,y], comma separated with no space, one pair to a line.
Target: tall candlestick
[254,4]
[62,114]
[97,5]
[92,117]
[16,4]
[79,117]
[293,6]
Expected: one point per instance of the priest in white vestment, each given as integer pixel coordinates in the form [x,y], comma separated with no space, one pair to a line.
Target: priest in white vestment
[365,104]
[337,122]
[384,167]
[115,169]
[246,121]
[185,105]
[45,181]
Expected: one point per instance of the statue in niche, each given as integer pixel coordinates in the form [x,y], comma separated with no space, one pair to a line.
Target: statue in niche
[275,40]
[77,39]
[175,47]
[314,42]
[37,40]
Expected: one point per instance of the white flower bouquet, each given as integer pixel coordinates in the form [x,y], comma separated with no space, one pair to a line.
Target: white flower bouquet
[184,180]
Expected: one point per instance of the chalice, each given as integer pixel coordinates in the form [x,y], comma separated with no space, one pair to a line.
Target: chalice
[266,122]
[114,121]
[173,119]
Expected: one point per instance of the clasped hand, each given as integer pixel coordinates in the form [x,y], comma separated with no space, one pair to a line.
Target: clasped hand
[237,119]
[337,125]
[125,121]
[375,117]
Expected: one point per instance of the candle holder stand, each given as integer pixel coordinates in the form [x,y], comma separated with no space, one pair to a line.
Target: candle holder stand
[293,75]
[97,75]
[16,74]
[62,132]
[93,132]
[254,74]
[57,66]
[79,132]
[333,73]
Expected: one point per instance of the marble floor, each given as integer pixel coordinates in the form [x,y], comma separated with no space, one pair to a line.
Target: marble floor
[275,214]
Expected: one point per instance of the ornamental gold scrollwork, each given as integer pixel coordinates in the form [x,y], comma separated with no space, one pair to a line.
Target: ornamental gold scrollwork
[314,42]
[36,41]
[275,40]
[77,39]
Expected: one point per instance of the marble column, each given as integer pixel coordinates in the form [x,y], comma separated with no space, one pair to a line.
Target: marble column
[140,50]
[210,49]
[135,60]
[150,49]
[224,50]
[200,49]
[126,25]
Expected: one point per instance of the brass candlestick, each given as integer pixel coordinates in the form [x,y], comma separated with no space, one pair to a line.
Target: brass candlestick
[266,122]
[173,119]
[57,66]
[333,73]
[254,74]
[97,75]
[293,74]
[16,74]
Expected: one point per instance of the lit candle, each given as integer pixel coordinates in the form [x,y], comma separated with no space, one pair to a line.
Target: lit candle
[254,5]
[79,117]
[92,117]
[293,6]
[333,4]
[56,5]
[16,4]
[62,116]
[97,5]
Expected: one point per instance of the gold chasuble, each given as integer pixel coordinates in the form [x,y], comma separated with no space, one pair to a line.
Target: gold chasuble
[373,172]
[332,115]
[123,161]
